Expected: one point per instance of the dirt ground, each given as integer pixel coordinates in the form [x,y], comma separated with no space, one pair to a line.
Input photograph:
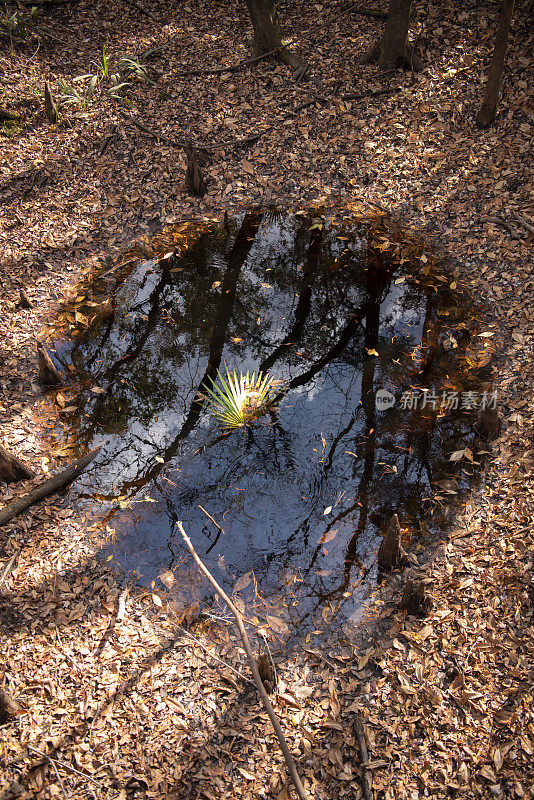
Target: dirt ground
[117,698]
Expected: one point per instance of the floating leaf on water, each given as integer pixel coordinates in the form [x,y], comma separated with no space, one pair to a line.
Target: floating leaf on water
[277,625]
[68,410]
[327,510]
[457,455]
[328,536]
[243,582]
[97,390]
[157,600]
[167,578]
[371,351]
[160,460]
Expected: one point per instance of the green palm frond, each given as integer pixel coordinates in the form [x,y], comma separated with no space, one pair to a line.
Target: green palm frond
[240,399]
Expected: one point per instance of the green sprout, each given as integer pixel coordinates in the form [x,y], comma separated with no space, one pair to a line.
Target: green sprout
[240,399]
[12,128]
[69,95]
[104,61]
[133,67]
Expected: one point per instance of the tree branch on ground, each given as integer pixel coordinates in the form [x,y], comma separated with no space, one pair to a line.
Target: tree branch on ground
[233,67]
[252,662]
[48,487]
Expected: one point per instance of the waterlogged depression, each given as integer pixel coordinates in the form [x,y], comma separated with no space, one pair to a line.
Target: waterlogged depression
[382,372]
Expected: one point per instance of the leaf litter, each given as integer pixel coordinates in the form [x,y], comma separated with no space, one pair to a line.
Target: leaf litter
[118,699]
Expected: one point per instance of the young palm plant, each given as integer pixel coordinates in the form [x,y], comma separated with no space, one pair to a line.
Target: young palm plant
[240,399]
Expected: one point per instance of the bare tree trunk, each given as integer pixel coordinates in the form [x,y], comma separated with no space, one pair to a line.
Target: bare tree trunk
[486,115]
[393,49]
[268,31]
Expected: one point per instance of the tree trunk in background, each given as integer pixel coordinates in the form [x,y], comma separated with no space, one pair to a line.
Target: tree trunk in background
[268,31]
[393,49]
[486,115]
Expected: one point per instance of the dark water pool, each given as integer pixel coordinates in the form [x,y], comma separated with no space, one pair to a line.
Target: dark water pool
[336,310]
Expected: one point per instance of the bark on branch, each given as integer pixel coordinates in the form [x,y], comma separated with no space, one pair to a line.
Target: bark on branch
[48,487]
[255,674]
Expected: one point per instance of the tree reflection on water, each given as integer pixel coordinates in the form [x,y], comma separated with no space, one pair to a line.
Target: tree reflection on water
[336,313]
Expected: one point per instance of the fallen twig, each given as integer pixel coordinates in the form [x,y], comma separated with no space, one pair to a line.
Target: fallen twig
[66,766]
[211,518]
[6,572]
[214,657]
[233,67]
[139,7]
[367,12]
[367,775]
[48,487]
[257,679]
[504,224]
[162,137]
[253,137]
[524,224]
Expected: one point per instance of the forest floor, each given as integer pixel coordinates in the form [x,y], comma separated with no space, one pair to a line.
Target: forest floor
[117,700]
